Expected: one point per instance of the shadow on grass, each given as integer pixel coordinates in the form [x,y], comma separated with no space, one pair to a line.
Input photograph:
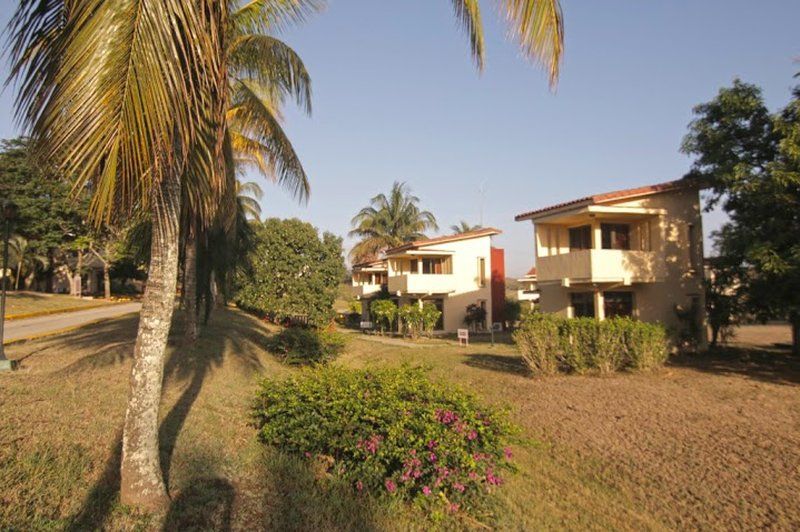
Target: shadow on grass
[514,365]
[205,505]
[299,496]
[777,366]
[230,334]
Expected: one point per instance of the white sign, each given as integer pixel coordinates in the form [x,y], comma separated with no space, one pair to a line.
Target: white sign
[497,326]
[366,325]
[463,335]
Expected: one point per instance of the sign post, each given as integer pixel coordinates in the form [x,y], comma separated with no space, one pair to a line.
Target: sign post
[463,337]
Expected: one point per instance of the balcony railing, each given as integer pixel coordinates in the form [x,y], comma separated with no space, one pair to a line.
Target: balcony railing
[601,265]
[420,283]
[365,290]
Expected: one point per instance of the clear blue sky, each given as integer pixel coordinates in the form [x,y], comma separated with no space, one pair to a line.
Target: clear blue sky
[396,97]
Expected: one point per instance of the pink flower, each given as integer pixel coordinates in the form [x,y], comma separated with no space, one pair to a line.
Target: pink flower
[459,487]
[507,452]
[308,454]
[391,487]
[432,457]
[473,475]
[454,507]
[426,490]
[359,485]
[472,435]
[432,444]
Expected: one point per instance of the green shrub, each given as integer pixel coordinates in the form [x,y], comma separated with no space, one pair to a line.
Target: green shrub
[429,316]
[417,320]
[538,340]
[384,311]
[390,433]
[549,342]
[297,345]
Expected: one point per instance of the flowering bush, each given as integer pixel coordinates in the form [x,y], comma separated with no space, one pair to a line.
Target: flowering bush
[390,432]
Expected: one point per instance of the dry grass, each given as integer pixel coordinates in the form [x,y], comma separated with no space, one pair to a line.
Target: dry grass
[709,442]
[28,302]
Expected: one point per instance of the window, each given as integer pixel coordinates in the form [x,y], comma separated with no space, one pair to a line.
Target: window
[481,271]
[692,247]
[435,265]
[582,304]
[616,236]
[414,266]
[580,238]
[618,304]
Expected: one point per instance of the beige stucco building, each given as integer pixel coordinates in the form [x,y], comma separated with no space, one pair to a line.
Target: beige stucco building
[635,252]
[528,292]
[451,272]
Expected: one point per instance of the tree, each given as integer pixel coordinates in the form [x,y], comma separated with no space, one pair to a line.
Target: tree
[262,73]
[753,162]
[48,219]
[128,98]
[475,316]
[384,311]
[25,258]
[291,272]
[463,227]
[107,245]
[724,304]
[388,222]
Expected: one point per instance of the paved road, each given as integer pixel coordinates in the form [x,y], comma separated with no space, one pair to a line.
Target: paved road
[16,329]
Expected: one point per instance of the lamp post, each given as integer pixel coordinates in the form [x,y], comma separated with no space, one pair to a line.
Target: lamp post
[9,213]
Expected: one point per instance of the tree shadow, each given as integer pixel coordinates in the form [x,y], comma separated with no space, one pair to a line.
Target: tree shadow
[776,366]
[206,500]
[103,495]
[300,496]
[514,365]
[207,504]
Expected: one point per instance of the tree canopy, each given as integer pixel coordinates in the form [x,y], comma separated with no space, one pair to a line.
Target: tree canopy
[752,160]
[290,271]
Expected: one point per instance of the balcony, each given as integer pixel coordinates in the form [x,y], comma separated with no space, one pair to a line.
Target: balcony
[361,291]
[527,295]
[601,266]
[419,283]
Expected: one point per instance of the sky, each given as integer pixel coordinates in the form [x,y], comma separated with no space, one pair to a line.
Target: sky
[397,97]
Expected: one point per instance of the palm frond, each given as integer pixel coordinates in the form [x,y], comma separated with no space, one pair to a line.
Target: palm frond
[538,27]
[468,13]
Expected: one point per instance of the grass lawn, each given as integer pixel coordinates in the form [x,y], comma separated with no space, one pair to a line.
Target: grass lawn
[708,442]
[27,302]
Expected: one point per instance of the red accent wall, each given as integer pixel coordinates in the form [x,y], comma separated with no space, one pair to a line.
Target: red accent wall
[498,265]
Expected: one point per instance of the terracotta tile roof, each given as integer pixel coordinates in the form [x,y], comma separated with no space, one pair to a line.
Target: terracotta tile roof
[606,197]
[531,272]
[368,263]
[484,231]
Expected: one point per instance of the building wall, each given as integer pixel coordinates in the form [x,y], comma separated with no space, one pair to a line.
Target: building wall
[467,286]
[498,268]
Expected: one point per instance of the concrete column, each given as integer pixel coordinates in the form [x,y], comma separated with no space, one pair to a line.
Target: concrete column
[597,235]
[419,265]
[599,305]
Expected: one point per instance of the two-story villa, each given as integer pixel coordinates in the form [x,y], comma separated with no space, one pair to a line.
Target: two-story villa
[452,272]
[635,252]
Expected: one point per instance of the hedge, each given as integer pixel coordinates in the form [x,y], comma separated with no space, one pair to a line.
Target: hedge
[551,343]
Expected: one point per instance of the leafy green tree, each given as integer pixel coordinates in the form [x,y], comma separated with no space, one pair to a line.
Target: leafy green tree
[475,316]
[389,221]
[753,162]
[384,311]
[724,297]
[291,272]
[463,227]
[429,316]
[49,218]
[24,259]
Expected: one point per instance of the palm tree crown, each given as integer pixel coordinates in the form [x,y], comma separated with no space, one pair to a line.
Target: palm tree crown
[388,222]
[463,227]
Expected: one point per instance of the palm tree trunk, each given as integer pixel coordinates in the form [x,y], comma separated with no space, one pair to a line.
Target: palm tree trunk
[190,285]
[794,319]
[142,483]
[19,270]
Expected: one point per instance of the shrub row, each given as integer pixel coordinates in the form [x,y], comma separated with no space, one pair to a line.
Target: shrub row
[550,343]
[390,433]
[298,345]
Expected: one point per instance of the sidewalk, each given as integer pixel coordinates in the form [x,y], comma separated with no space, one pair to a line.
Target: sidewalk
[44,325]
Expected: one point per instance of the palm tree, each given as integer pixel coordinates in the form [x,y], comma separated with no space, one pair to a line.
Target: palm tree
[24,256]
[463,227]
[388,222]
[130,98]
[262,73]
[248,195]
